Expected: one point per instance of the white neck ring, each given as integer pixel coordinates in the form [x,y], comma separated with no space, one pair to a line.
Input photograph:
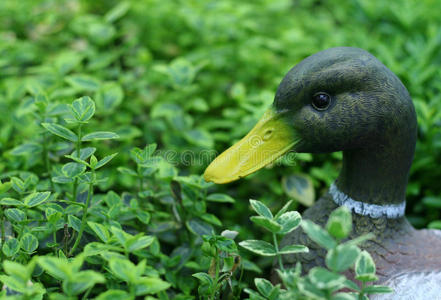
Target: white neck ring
[390,211]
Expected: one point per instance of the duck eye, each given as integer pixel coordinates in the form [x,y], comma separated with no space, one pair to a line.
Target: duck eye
[321,101]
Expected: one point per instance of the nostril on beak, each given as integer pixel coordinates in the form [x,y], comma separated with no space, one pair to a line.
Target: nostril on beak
[268,133]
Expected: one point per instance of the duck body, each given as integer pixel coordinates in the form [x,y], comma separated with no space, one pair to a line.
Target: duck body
[344,99]
[406,259]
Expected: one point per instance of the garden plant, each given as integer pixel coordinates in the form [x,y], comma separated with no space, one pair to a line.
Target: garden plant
[111,111]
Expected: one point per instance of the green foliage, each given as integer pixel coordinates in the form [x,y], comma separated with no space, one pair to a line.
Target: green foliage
[319,283]
[112,109]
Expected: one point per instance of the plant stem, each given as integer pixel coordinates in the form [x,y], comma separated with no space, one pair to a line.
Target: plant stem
[24,223]
[86,294]
[279,257]
[360,296]
[46,161]
[83,220]
[78,148]
[2,226]
[238,284]
[66,236]
[54,238]
[2,231]
[132,290]
[141,179]
[216,278]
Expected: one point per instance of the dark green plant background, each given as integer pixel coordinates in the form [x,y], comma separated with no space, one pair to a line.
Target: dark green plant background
[194,76]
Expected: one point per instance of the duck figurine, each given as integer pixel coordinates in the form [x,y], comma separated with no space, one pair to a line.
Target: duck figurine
[344,99]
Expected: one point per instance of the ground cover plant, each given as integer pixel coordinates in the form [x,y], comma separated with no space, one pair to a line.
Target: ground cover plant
[111,110]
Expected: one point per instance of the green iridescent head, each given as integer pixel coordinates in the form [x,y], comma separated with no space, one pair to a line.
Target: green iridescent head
[339,99]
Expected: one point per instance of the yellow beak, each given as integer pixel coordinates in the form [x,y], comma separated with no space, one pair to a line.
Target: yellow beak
[268,140]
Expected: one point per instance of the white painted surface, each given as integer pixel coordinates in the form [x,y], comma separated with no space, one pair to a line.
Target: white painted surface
[390,211]
[413,286]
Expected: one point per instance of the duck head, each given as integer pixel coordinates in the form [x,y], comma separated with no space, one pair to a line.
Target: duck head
[339,99]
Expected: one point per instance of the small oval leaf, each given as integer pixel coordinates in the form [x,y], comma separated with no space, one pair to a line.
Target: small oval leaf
[99,135]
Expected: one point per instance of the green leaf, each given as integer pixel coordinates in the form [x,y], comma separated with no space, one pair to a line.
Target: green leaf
[318,234]
[143,216]
[100,230]
[181,72]
[67,60]
[80,161]
[344,296]
[85,153]
[349,284]
[367,277]
[342,257]
[117,12]
[61,131]
[225,244]
[324,279]
[15,215]
[123,269]
[144,156]
[263,286]
[300,188]
[199,227]
[139,242]
[11,247]
[340,223]
[13,283]
[99,135]
[283,209]
[73,169]
[219,198]
[105,160]
[434,224]
[253,294]
[291,249]
[29,243]
[83,109]
[364,265]
[127,171]
[62,179]
[377,289]
[289,221]
[259,247]
[109,97]
[81,282]
[361,239]
[114,295]
[56,267]
[100,32]
[83,82]
[27,149]
[150,285]
[4,187]
[199,137]
[52,215]
[120,235]
[18,185]
[309,289]
[432,201]
[204,278]
[74,222]
[268,224]
[88,177]
[261,209]
[212,219]
[10,202]
[36,199]
[18,270]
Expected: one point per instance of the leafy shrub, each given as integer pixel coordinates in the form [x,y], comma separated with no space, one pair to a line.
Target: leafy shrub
[176,82]
[319,283]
